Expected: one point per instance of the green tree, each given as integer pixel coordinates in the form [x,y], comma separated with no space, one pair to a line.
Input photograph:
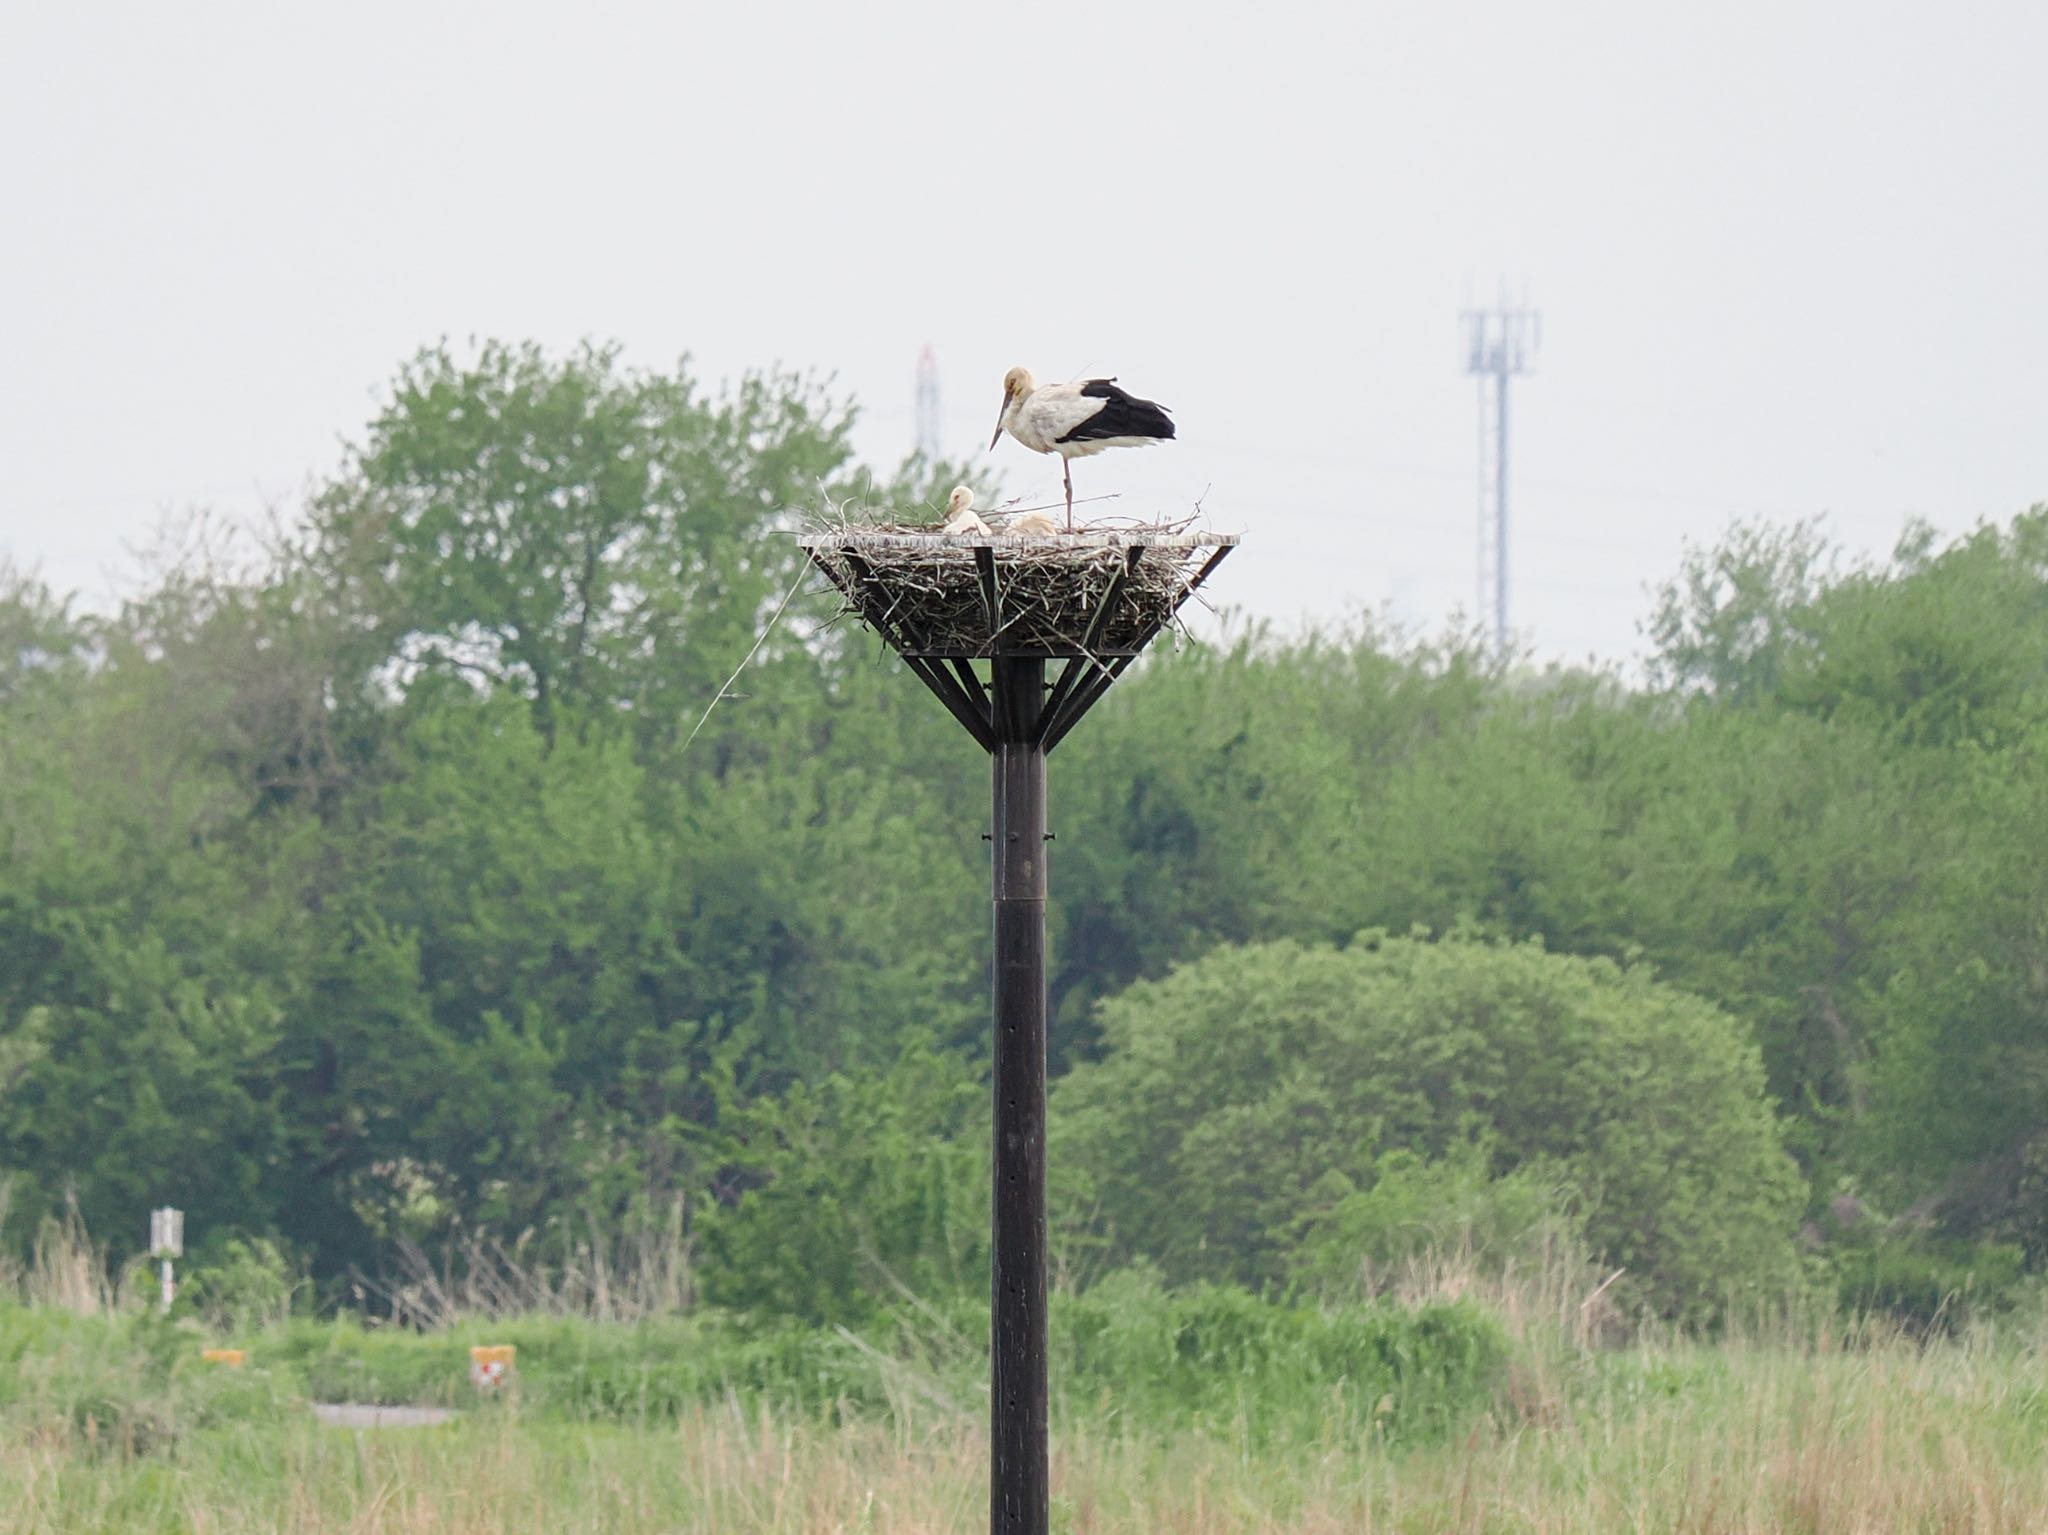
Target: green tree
[1846,861]
[854,1193]
[586,534]
[1947,645]
[42,643]
[1738,613]
[1958,1076]
[1232,792]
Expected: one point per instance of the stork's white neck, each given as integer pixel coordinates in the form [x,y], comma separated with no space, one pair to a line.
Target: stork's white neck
[1026,387]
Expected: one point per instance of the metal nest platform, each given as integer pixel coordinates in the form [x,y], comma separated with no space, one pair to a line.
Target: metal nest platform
[1089,601]
[1018,636]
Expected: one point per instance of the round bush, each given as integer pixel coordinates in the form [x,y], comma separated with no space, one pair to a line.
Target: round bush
[1239,1096]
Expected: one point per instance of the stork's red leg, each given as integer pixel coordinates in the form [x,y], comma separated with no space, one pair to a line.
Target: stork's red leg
[1067,472]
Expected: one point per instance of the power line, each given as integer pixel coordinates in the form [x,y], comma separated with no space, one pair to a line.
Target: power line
[1779,506]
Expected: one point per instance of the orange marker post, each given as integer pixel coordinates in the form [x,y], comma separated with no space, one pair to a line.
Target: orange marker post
[490,1365]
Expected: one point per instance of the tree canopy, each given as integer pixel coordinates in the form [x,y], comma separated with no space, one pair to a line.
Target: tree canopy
[366,890]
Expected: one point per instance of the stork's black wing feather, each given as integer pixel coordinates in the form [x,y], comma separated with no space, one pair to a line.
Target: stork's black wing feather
[1122,415]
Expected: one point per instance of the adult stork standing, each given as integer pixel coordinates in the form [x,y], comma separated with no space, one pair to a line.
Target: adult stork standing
[1075,420]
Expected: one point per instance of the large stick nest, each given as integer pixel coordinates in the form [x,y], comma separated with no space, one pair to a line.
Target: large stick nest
[1092,593]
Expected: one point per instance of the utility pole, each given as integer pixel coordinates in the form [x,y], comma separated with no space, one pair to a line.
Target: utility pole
[928,404]
[1498,344]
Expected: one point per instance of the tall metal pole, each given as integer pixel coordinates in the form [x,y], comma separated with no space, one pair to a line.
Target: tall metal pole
[1500,501]
[1019,1499]
[1498,343]
[888,581]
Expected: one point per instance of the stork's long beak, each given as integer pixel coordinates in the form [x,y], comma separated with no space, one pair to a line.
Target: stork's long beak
[999,422]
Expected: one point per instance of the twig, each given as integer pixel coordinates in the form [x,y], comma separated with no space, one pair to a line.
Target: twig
[767,630]
[1601,1288]
[1010,508]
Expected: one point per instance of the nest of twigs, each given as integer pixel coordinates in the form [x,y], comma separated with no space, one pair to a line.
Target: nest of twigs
[1096,593]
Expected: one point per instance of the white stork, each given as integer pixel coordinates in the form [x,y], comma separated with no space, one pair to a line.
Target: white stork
[961,516]
[1075,420]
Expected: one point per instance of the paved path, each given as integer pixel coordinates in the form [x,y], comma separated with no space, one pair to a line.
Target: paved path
[357,1415]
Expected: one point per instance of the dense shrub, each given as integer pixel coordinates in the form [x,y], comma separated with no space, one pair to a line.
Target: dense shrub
[859,1189]
[237,1284]
[1129,1349]
[1927,1283]
[1248,1097]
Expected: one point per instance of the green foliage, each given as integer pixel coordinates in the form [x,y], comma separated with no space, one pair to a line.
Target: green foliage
[1408,1207]
[364,890]
[1129,1357]
[571,1368]
[582,533]
[1130,1351]
[237,1284]
[1926,1283]
[126,1384]
[359,890]
[861,1191]
[42,645]
[1769,1433]
[1259,822]
[129,1073]
[1948,646]
[1736,616]
[1232,1090]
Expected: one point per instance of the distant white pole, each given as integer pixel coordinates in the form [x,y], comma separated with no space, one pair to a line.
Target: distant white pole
[928,404]
[166,1241]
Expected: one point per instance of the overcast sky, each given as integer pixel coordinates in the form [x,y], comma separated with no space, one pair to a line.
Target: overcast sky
[1790,257]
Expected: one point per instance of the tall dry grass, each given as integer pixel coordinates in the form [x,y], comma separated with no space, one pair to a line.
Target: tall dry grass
[1736,1439]
[647,1272]
[65,1270]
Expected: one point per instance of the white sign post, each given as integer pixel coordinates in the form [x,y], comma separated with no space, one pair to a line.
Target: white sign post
[166,1241]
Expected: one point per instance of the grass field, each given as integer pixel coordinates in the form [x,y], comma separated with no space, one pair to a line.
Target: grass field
[1504,1409]
[1878,1434]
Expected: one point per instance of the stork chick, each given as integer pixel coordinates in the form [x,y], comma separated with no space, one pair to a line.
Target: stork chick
[1033,523]
[1075,420]
[961,517]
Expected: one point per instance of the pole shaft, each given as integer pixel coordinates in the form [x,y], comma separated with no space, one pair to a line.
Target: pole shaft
[1019,1500]
[1482,592]
[1500,502]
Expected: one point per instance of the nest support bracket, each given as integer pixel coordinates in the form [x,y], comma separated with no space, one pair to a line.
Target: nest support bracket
[952,608]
